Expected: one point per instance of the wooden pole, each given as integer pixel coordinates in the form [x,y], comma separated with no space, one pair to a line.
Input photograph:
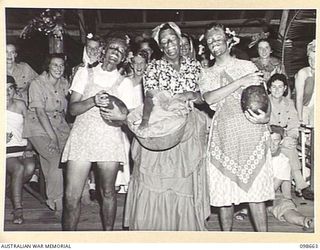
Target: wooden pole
[283,24]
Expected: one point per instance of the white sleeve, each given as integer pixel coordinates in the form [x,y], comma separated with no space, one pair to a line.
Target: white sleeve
[79,81]
[126,93]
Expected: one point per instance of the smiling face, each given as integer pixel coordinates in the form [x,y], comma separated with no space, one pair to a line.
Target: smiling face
[277,89]
[170,44]
[185,47]
[146,47]
[11,53]
[56,67]
[264,50]
[93,50]
[217,42]
[139,64]
[115,53]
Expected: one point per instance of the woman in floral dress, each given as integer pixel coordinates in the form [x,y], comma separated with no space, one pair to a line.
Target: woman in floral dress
[168,189]
[91,138]
[239,166]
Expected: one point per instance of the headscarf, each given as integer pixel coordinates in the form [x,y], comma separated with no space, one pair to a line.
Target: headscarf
[156,31]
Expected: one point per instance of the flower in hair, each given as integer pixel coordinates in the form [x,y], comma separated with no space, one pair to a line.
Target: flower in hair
[127,39]
[90,36]
[201,49]
[233,39]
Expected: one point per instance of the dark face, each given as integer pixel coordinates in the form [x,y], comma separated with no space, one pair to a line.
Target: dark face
[146,47]
[170,44]
[56,67]
[217,42]
[115,53]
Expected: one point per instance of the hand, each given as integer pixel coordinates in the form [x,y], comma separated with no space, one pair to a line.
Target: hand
[289,142]
[143,124]
[27,154]
[53,145]
[101,99]
[190,104]
[112,114]
[261,118]
[187,95]
[9,136]
[255,78]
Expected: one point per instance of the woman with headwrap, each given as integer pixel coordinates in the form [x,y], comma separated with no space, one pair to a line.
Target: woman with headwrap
[167,190]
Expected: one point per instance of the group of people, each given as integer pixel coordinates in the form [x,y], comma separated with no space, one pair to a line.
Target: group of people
[223,162]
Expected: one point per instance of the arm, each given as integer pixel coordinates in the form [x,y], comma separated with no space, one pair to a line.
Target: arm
[190,96]
[299,85]
[286,189]
[147,108]
[28,151]
[77,106]
[46,124]
[217,95]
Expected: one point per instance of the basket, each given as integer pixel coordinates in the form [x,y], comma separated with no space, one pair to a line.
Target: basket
[160,140]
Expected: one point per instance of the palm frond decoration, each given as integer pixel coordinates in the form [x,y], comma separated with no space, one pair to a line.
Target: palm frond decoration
[299,32]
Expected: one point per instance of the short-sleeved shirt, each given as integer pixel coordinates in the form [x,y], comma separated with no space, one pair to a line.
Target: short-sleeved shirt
[160,75]
[23,73]
[274,66]
[285,115]
[42,94]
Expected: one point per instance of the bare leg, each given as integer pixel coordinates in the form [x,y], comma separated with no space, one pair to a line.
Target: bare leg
[259,215]
[226,218]
[107,173]
[294,217]
[29,166]
[76,176]
[15,169]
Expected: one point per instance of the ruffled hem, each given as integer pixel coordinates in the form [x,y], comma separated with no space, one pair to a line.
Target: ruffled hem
[181,204]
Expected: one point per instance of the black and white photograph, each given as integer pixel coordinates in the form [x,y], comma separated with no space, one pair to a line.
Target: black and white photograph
[139,119]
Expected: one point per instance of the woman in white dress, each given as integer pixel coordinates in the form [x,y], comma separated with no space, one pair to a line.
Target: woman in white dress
[94,140]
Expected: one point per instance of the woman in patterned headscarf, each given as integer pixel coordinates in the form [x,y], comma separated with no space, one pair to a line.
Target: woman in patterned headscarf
[167,190]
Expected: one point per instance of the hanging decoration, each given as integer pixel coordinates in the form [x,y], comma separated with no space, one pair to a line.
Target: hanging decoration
[50,22]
